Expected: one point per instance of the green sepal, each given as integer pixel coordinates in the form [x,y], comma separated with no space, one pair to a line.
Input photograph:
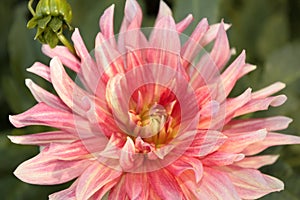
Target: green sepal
[32,23]
[55,24]
[42,23]
[39,32]
[51,38]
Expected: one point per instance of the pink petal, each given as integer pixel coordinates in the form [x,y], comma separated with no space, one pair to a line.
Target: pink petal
[129,159]
[95,177]
[252,184]
[68,193]
[221,158]
[212,33]
[256,162]
[246,69]
[79,46]
[230,75]
[260,104]
[119,191]
[41,114]
[191,48]
[66,57]
[220,52]
[106,24]
[137,186]
[216,185]
[206,142]
[271,89]
[40,70]
[46,170]
[42,95]
[163,11]
[164,185]
[272,139]
[187,163]
[270,123]
[183,24]
[71,94]
[164,52]
[43,138]
[237,142]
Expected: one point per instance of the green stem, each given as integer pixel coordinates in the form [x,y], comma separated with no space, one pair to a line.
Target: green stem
[65,42]
[30,7]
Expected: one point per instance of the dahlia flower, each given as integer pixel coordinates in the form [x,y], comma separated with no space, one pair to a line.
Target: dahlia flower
[149,117]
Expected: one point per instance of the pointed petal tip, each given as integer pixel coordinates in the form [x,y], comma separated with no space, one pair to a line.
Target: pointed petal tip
[14,121]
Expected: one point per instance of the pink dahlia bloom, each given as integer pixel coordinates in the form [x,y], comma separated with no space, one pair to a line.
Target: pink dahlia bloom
[150,117]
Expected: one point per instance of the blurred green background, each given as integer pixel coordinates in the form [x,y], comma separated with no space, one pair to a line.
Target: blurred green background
[268,29]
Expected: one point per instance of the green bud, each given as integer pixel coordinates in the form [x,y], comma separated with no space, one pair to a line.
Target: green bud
[50,17]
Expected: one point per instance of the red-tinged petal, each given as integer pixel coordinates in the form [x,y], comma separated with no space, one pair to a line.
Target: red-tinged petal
[212,33]
[183,24]
[128,158]
[63,53]
[137,186]
[42,95]
[46,170]
[191,48]
[252,184]
[256,162]
[40,70]
[221,158]
[165,185]
[104,190]
[260,104]
[272,139]
[216,185]
[206,142]
[270,123]
[41,114]
[271,89]
[107,57]
[95,177]
[68,193]
[43,138]
[119,191]
[230,75]
[237,142]
[187,163]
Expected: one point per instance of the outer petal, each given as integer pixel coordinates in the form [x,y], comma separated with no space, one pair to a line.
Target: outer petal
[212,33]
[182,25]
[256,162]
[165,185]
[43,138]
[272,139]
[106,24]
[216,185]
[46,170]
[221,158]
[40,70]
[94,178]
[221,51]
[270,123]
[137,186]
[252,184]
[68,193]
[66,57]
[42,95]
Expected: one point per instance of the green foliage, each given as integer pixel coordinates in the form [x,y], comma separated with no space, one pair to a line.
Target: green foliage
[268,30]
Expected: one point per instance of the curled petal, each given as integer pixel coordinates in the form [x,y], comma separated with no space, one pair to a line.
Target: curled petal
[68,193]
[212,33]
[106,24]
[182,25]
[66,57]
[40,70]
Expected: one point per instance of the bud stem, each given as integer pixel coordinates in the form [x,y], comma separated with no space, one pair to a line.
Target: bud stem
[30,7]
[65,42]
